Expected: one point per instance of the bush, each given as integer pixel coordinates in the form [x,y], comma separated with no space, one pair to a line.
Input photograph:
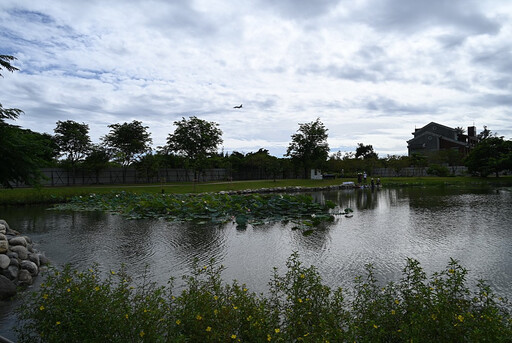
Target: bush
[438,170]
[73,306]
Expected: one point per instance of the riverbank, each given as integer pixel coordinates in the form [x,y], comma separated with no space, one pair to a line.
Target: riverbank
[53,195]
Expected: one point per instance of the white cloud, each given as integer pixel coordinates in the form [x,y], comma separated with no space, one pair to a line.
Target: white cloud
[371,70]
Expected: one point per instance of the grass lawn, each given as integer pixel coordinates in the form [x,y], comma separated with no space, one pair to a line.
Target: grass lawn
[46,195]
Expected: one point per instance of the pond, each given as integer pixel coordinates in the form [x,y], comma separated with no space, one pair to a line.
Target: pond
[431,225]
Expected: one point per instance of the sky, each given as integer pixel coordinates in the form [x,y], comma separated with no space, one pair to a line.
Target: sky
[371,70]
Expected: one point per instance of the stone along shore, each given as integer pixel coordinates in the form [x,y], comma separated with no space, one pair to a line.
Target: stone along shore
[20,263]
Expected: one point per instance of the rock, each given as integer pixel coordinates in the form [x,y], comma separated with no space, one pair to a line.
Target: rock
[13,254]
[28,239]
[34,258]
[24,277]
[2,236]
[11,272]
[21,251]
[4,246]
[18,240]
[3,229]
[14,262]
[44,260]
[30,266]
[4,223]
[4,261]
[7,288]
[30,248]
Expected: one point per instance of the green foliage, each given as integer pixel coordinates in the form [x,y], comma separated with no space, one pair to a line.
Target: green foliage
[437,170]
[309,145]
[491,155]
[215,208]
[75,306]
[127,141]
[196,139]
[73,140]
[365,151]
[22,154]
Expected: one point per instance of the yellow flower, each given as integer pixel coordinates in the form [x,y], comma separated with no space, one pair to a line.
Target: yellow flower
[198,317]
[434,317]
[114,273]
[451,271]
[249,318]
[215,298]
[126,316]
[393,312]
[41,308]
[300,300]
[215,312]
[205,267]
[375,326]
[57,323]
[269,338]
[302,276]
[141,334]
[145,310]
[208,329]
[45,296]
[233,336]
[245,289]
[235,307]
[460,318]
[96,288]
[68,280]
[397,302]
[69,290]
[178,322]
[277,330]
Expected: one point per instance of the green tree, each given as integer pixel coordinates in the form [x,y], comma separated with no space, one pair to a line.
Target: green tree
[309,146]
[8,113]
[73,141]
[127,142]
[22,152]
[365,151]
[97,159]
[195,139]
[490,155]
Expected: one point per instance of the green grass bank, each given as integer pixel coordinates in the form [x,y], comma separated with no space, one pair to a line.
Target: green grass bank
[52,195]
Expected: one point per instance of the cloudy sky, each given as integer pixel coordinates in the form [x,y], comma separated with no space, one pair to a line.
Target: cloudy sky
[371,70]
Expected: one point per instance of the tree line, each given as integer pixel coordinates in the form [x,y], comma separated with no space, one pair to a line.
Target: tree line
[195,143]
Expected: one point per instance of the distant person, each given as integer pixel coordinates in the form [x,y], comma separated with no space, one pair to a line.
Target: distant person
[364,177]
[378,182]
[372,182]
[359,178]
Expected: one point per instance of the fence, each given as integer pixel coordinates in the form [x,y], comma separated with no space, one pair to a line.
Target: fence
[412,171]
[63,177]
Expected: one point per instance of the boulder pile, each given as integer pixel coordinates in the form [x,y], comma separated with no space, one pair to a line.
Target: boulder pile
[19,261]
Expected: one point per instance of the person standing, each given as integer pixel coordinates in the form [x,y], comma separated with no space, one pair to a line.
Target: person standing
[364,177]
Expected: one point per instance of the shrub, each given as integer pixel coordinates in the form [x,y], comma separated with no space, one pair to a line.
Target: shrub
[437,170]
[73,306]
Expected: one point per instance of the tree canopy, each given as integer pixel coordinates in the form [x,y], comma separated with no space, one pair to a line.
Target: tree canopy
[365,151]
[127,141]
[8,113]
[73,140]
[309,145]
[194,138]
[490,155]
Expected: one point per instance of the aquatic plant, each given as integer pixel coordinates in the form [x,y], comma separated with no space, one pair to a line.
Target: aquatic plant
[204,208]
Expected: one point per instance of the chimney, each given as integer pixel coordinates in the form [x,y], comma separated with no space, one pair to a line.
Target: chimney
[471,131]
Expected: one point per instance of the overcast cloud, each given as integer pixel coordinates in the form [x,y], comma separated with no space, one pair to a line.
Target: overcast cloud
[371,70]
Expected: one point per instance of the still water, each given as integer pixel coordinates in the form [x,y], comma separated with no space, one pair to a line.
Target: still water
[431,225]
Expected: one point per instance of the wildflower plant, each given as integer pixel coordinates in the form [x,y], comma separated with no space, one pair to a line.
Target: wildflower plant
[88,306]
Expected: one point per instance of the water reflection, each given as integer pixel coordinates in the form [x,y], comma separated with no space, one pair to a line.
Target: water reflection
[389,225]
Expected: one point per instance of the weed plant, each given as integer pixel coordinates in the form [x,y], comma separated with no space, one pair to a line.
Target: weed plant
[84,306]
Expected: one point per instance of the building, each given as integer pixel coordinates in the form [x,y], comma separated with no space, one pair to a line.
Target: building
[435,137]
